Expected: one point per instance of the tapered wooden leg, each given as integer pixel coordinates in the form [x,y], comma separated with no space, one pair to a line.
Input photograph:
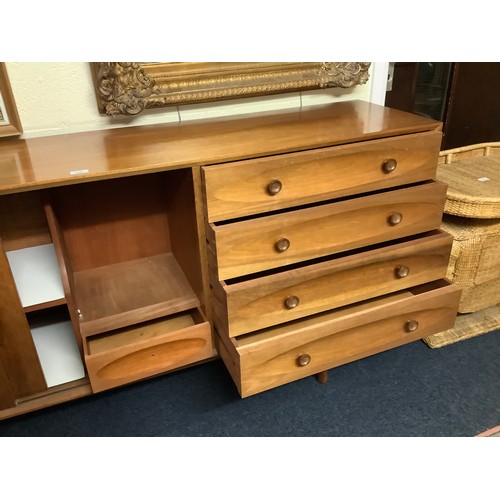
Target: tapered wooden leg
[322,377]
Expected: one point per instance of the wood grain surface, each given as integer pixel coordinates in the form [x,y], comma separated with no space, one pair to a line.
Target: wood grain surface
[249,246]
[152,349]
[269,358]
[18,355]
[81,157]
[242,188]
[253,304]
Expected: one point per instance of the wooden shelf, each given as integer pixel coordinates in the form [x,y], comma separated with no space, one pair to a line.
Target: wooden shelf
[37,277]
[126,293]
[58,351]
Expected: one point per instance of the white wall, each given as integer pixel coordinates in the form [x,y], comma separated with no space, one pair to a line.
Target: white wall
[56,98]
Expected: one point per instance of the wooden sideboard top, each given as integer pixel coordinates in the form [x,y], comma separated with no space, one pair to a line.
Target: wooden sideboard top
[27,164]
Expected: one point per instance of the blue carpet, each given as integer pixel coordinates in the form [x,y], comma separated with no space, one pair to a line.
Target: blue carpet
[412,390]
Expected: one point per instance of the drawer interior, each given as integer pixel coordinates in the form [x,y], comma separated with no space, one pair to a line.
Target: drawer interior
[245,247]
[277,355]
[250,303]
[288,210]
[147,349]
[142,332]
[274,333]
[331,258]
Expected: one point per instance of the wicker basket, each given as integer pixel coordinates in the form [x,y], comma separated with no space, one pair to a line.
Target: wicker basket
[475,260]
[466,327]
[472,151]
[473,177]
[472,216]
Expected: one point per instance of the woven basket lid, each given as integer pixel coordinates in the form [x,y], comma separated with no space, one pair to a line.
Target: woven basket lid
[473,187]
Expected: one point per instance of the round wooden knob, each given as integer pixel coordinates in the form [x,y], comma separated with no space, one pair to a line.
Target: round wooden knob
[274,187]
[282,245]
[395,218]
[411,325]
[291,302]
[389,166]
[402,271]
[303,359]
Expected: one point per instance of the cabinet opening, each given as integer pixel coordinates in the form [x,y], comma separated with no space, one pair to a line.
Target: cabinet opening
[37,277]
[56,346]
[131,248]
[32,257]
[22,221]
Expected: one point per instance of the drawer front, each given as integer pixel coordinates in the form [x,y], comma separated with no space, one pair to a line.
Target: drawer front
[246,247]
[255,186]
[135,353]
[306,347]
[259,303]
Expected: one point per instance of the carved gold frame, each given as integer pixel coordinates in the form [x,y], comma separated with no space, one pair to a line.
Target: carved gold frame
[127,88]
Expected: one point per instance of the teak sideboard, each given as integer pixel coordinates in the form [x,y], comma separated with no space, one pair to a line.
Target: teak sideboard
[286,243]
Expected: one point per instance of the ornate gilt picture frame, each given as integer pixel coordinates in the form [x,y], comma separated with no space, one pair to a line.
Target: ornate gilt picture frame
[128,88]
[10,124]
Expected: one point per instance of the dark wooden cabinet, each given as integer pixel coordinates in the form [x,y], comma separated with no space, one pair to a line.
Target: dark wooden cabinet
[463,95]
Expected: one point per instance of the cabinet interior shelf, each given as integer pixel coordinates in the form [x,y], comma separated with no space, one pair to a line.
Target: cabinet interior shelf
[58,351]
[37,277]
[126,293]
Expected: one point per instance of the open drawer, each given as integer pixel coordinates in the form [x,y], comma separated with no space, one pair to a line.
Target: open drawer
[282,354]
[243,247]
[242,305]
[147,349]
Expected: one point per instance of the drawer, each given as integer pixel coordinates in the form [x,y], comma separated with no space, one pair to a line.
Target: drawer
[148,349]
[254,186]
[279,355]
[245,305]
[267,242]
